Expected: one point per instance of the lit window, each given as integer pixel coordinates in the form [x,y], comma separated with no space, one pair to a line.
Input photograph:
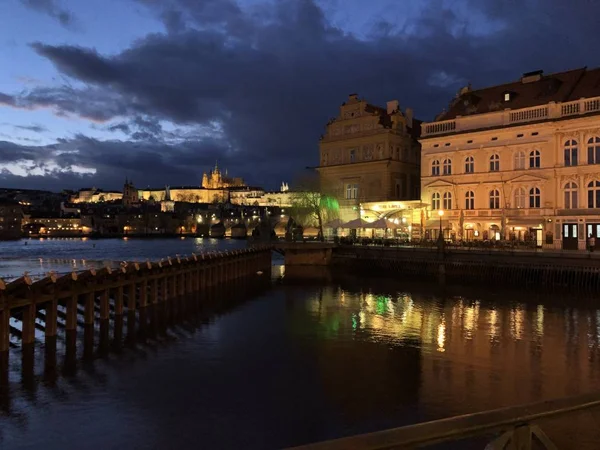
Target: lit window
[447,167]
[507,96]
[534,198]
[447,200]
[594,194]
[435,200]
[534,159]
[470,200]
[571,200]
[571,157]
[494,163]
[594,150]
[435,168]
[352,191]
[469,164]
[494,199]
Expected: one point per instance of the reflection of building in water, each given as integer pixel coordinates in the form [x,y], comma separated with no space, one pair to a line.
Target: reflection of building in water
[473,355]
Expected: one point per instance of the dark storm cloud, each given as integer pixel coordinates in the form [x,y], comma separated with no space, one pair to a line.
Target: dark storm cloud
[268,81]
[92,103]
[34,128]
[7,100]
[53,9]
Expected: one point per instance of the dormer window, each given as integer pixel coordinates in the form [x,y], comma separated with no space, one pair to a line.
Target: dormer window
[507,96]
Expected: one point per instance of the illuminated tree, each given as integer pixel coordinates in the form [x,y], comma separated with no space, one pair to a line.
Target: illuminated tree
[311,206]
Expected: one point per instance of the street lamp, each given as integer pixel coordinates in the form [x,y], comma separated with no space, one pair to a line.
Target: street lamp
[441,235]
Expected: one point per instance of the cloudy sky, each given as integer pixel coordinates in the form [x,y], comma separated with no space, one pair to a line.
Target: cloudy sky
[95,91]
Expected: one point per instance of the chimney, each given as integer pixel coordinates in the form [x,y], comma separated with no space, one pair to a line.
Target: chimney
[392,106]
[353,97]
[408,113]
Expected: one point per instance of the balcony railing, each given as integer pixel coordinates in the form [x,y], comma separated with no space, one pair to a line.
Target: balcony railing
[508,117]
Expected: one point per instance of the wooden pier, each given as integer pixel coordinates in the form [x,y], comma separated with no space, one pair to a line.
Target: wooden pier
[108,293]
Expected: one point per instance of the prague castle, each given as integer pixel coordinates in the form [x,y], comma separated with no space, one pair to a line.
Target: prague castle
[215,180]
[214,189]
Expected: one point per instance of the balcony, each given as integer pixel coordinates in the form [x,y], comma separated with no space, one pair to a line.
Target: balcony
[512,117]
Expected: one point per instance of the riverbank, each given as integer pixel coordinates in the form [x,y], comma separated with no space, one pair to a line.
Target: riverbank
[524,269]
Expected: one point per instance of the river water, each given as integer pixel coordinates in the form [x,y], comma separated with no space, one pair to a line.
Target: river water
[317,355]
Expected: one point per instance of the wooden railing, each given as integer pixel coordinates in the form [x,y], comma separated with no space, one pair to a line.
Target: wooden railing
[516,425]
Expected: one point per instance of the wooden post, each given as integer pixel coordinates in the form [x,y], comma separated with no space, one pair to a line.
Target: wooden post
[154,291]
[163,288]
[181,283]
[144,293]
[131,297]
[72,313]
[28,331]
[4,329]
[51,317]
[172,282]
[104,305]
[89,308]
[119,301]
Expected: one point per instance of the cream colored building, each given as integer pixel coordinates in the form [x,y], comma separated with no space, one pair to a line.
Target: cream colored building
[517,161]
[369,154]
[94,195]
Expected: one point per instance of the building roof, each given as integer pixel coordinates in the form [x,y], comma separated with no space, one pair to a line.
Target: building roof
[533,89]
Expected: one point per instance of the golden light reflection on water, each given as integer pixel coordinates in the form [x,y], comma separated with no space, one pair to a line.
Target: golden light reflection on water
[470,354]
[441,336]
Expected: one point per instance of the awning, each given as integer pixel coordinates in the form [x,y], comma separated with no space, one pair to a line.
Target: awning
[337,223]
[534,223]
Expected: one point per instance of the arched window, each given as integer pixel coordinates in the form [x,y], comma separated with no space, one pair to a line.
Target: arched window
[469,164]
[520,198]
[594,194]
[571,157]
[494,199]
[470,200]
[447,200]
[571,196]
[435,167]
[435,200]
[448,167]
[535,198]
[494,163]
[534,159]
[593,150]
[519,160]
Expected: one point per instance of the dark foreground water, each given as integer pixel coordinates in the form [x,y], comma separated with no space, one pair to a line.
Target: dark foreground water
[316,356]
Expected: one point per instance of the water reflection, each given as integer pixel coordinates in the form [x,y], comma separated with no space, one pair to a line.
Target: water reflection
[314,358]
[473,353]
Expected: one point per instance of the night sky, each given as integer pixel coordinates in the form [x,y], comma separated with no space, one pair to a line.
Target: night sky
[93,91]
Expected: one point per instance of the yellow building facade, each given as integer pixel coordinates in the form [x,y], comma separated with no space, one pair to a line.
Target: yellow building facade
[369,154]
[517,161]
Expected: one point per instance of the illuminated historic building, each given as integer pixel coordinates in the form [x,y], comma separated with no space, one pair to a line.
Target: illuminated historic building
[130,194]
[370,154]
[518,160]
[215,189]
[95,195]
[215,180]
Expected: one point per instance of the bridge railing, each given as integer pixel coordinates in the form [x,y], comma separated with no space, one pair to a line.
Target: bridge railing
[516,427]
